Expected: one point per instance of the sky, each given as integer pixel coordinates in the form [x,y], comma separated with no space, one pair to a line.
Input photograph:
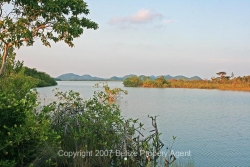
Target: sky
[145,37]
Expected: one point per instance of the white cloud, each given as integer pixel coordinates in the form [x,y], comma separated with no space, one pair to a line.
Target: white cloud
[143,16]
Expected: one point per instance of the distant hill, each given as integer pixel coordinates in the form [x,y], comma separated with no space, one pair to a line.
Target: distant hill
[86,77]
[195,78]
[75,77]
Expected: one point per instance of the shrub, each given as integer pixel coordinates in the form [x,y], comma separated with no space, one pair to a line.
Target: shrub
[95,127]
[22,129]
[111,94]
[133,81]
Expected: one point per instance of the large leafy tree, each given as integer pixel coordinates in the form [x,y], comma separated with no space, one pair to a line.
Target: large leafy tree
[22,21]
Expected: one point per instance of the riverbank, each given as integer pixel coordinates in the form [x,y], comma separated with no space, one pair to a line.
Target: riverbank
[234,84]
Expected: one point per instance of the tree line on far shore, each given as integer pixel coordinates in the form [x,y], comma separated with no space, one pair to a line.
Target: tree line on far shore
[222,82]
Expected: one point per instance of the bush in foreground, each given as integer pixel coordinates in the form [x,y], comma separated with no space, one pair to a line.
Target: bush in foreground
[23,131]
[98,135]
[95,128]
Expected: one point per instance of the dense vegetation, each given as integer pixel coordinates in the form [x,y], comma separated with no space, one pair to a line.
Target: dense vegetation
[23,131]
[222,82]
[41,78]
[44,136]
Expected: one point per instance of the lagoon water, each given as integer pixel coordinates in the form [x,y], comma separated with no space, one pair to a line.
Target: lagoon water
[213,125]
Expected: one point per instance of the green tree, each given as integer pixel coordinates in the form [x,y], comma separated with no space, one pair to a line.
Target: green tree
[133,81]
[160,82]
[23,131]
[42,78]
[14,67]
[22,21]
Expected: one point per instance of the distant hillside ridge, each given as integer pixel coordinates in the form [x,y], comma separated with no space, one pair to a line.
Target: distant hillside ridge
[87,77]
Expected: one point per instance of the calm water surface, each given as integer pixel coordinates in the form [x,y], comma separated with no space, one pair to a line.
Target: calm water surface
[213,125]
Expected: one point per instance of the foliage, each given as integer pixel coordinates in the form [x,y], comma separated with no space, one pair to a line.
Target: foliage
[14,67]
[22,21]
[133,81]
[96,128]
[22,129]
[223,82]
[43,78]
[112,94]
[222,73]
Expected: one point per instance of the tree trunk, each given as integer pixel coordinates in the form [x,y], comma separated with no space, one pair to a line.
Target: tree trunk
[4,58]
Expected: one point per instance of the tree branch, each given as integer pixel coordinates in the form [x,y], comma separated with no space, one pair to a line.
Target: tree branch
[4,58]
[1,10]
[43,26]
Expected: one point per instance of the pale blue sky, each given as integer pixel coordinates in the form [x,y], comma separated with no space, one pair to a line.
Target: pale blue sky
[154,38]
